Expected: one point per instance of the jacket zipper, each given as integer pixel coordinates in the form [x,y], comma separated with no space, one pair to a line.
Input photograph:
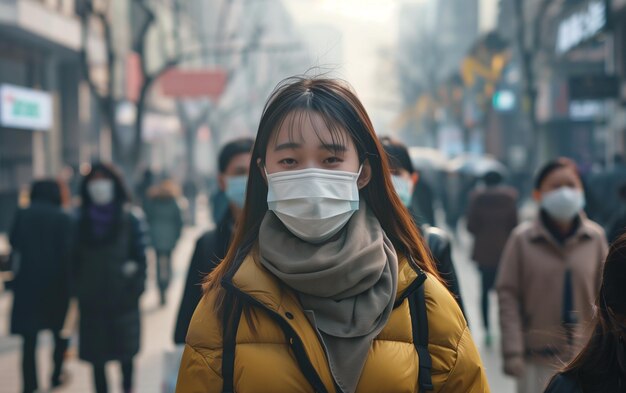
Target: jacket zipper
[294,340]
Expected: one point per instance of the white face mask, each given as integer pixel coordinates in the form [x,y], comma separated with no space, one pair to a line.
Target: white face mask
[404,189]
[563,204]
[101,191]
[314,204]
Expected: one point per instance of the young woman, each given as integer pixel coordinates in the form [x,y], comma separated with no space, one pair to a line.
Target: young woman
[110,271]
[601,365]
[41,235]
[327,286]
[548,278]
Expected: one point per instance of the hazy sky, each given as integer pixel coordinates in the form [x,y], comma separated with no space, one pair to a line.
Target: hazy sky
[348,37]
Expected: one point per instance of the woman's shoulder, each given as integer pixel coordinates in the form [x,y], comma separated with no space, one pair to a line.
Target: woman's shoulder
[525,229]
[593,229]
[455,359]
[445,320]
[205,328]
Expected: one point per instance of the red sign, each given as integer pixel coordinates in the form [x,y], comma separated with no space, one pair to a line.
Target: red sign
[194,83]
[134,77]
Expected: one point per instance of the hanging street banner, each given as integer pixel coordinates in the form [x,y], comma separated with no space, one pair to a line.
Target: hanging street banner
[194,83]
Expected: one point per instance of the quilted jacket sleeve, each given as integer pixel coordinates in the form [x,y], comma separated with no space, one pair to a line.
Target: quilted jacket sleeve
[195,374]
[468,374]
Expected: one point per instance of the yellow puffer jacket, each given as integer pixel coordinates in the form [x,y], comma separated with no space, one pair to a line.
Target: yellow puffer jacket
[265,360]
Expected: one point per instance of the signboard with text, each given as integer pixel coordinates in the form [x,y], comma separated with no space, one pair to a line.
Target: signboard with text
[582,25]
[25,108]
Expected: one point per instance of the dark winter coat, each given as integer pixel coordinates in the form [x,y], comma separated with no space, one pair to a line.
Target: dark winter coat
[165,220]
[618,226]
[440,246]
[604,382]
[491,217]
[563,384]
[108,290]
[41,235]
[422,204]
[210,249]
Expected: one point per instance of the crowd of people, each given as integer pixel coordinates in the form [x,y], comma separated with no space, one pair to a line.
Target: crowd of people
[323,271]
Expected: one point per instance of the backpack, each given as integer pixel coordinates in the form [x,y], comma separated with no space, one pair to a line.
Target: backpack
[419,322]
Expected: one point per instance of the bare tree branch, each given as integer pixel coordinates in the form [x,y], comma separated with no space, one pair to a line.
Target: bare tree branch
[140,41]
[84,56]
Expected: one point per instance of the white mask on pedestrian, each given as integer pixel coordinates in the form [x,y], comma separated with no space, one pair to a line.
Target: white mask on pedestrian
[101,191]
[564,203]
[404,189]
[314,204]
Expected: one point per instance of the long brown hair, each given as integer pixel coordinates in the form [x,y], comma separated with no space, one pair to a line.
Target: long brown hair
[599,358]
[343,113]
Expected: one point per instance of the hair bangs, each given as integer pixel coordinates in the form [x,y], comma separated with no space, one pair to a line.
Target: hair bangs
[294,114]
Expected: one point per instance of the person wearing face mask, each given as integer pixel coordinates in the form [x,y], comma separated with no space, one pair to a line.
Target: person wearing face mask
[211,247]
[110,273]
[601,365]
[405,180]
[41,241]
[491,216]
[327,285]
[165,220]
[548,278]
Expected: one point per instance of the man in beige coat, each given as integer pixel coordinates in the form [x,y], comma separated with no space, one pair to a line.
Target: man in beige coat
[548,279]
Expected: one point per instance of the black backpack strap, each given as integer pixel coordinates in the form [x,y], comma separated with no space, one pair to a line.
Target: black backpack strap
[419,322]
[230,326]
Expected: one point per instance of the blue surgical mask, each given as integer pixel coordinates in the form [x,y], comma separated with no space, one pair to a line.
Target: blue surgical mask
[236,189]
[404,189]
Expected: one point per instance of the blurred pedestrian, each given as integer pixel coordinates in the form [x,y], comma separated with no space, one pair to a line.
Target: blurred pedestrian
[491,216]
[548,278]
[41,238]
[165,223]
[211,247]
[618,226]
[110,271]
[190,191]
[327,285]
[601,365]
[405,180]
[141,189]
[603,189]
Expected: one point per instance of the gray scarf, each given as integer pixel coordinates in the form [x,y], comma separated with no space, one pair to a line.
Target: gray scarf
[347,286]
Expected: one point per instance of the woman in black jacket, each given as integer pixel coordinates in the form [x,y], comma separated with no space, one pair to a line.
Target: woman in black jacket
[41,240]
[110,269]
[601,366]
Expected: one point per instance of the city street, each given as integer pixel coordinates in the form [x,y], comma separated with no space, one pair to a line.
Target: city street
[158,324]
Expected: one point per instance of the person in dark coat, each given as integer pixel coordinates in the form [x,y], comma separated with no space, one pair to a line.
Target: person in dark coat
[405,179]
[491,217]
[165,220]
[618,226]
[422,202]
[211,247]
[601,365]
[41,238]
[110,271]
